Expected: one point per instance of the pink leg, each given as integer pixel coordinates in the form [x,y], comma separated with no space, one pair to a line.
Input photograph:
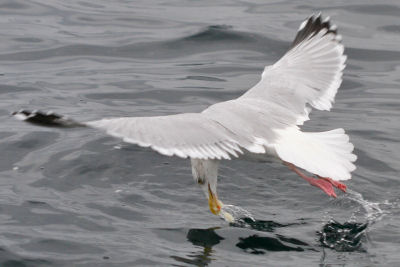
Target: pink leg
[336,184]
[324,184]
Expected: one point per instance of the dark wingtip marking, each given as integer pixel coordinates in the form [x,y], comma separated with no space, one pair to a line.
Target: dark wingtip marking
[48,119]
[311,27]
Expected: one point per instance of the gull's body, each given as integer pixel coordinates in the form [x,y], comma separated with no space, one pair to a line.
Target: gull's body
[262,122]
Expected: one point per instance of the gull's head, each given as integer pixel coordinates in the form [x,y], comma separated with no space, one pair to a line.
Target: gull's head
[209,187]
[205,174]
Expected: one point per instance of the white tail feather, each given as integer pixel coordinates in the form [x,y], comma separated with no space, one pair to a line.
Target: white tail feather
[327,154]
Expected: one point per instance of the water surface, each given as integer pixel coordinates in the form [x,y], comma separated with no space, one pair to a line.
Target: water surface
[80,198]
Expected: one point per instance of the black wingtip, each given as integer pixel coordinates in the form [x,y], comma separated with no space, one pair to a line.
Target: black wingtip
[311,26]
[48,119]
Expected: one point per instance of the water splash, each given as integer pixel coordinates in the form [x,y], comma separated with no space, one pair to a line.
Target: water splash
[232,213]
[373,211]
[348,236]
[343,237]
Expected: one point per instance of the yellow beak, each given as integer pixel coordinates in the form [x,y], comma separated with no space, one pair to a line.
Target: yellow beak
[213,202]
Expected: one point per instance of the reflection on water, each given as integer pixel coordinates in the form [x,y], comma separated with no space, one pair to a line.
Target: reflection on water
[259,244]
[346,237]
[253,243]
[205,238]
[259,225]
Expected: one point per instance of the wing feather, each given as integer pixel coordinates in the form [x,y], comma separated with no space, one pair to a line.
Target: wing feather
[310,73]
[183,135]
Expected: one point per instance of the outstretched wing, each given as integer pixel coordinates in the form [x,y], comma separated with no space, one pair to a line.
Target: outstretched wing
[309,74]
[184,135]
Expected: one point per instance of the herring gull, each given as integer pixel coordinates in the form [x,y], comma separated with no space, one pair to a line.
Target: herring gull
[264,121]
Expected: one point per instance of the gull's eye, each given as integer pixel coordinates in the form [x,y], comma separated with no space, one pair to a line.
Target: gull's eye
[200,181]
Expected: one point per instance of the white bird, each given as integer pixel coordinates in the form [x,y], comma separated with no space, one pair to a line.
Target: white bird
[264,121]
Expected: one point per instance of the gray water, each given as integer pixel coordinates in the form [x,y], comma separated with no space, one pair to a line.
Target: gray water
[80,198]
